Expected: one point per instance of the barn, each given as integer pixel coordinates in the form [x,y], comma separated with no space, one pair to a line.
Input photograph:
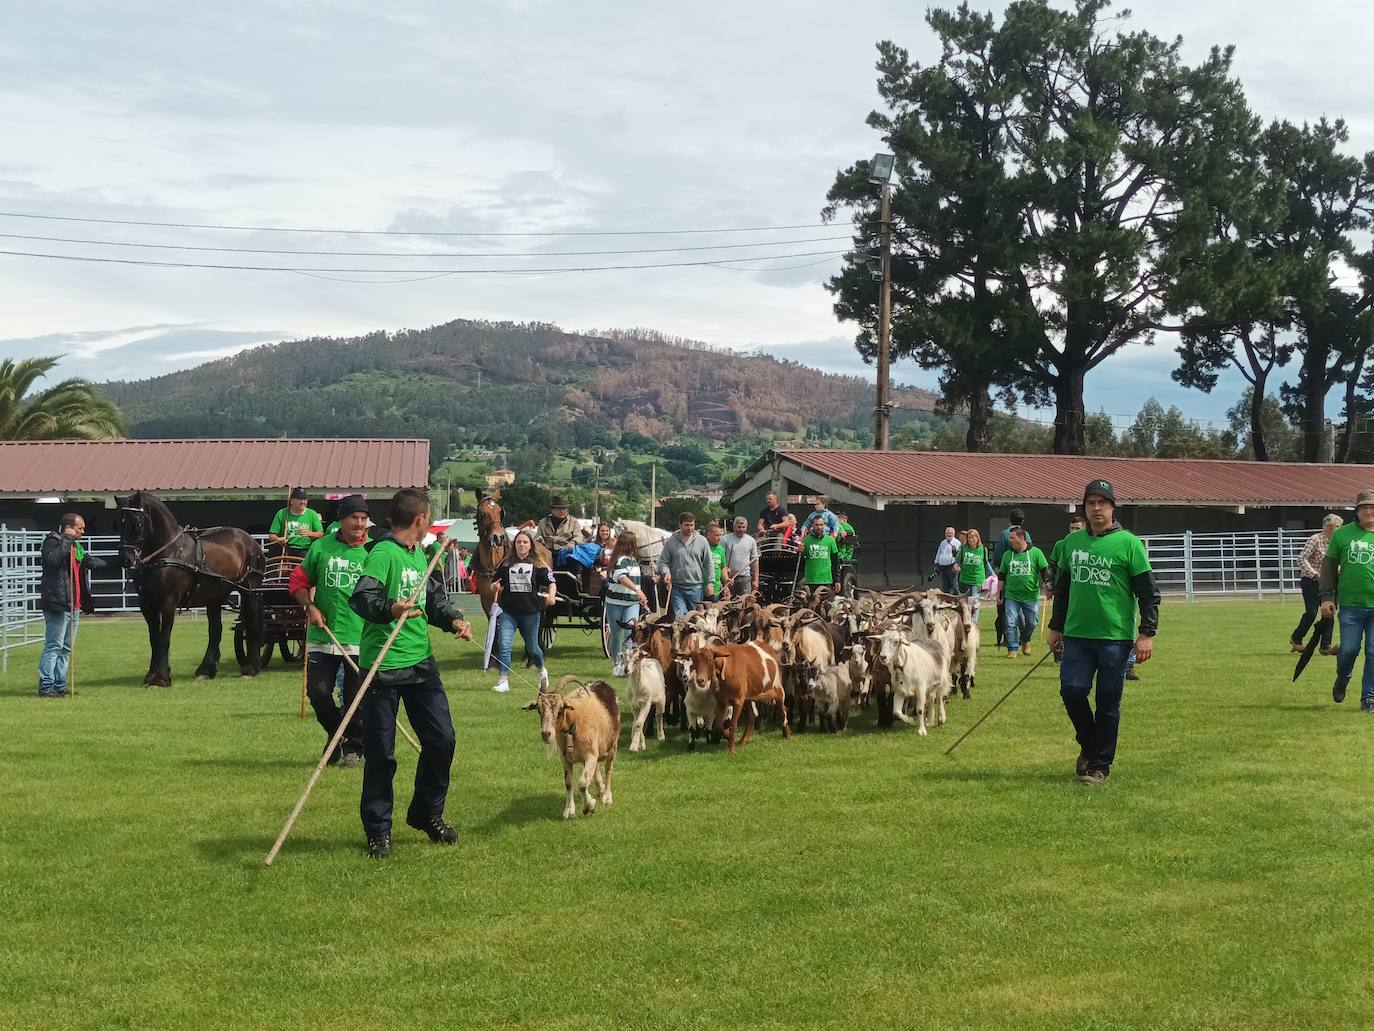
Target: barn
[901,501]
[217,482]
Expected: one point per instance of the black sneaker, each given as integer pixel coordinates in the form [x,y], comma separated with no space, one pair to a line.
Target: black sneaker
[1093,778]
[1081,766]
[439,832]
[379,847]
[1338,693]
[351,758]
[1367,706]
[1130,673]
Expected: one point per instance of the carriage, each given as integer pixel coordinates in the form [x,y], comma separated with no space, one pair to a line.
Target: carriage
[281,619]
[780,570]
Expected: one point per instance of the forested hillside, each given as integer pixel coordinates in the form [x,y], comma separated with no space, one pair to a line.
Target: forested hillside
[502,385]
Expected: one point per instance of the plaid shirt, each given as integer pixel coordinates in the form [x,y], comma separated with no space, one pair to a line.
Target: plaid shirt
[1313,552]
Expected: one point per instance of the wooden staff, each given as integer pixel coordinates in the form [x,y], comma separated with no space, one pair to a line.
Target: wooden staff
[354,667]
[357,698]
[305,673]
[71,623]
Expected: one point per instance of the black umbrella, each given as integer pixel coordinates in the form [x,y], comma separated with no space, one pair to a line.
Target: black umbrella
[1322,625]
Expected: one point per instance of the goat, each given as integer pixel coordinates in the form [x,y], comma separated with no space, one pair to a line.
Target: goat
[919,670]
[585,725]
[964,649]
[830,691]
[647,690]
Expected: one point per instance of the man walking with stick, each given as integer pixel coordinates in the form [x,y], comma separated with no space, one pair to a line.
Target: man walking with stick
[1103,577]
[392,573]
[64,559]
[330,569]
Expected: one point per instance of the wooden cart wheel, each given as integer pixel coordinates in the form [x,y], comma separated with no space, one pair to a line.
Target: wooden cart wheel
[606,631]
[548,635]
[291,650]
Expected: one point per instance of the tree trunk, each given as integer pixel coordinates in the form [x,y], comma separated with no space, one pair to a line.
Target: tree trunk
[979,407]
[1347,438]
[1069,411]
[1257,419]
[1313,401]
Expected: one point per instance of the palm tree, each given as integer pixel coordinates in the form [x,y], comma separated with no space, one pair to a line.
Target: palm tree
[69,410]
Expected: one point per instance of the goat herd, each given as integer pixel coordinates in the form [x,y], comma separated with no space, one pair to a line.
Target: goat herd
[904,652]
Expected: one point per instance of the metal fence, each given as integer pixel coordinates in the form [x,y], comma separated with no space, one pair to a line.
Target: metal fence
[112,590]
[1262,563]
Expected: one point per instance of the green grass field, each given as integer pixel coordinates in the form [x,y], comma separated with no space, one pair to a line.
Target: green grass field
[1221,879]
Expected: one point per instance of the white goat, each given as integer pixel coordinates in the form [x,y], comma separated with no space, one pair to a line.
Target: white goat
[919,670]
[648,689]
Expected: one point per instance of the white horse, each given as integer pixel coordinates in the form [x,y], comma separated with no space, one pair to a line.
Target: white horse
[649,538]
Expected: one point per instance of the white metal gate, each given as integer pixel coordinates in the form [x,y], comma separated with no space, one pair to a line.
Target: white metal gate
[1262,563]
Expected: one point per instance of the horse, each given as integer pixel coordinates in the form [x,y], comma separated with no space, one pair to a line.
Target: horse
[175,567]
[493,545]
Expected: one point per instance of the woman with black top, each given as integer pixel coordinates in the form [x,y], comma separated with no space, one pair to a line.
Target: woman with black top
[524,586]
[623,594]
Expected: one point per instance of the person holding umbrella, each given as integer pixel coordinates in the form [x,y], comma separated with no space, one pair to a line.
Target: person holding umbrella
[1310,565]
[1348,578]
[1104,578]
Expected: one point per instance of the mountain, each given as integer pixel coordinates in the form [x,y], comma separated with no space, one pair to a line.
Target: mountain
[502,385]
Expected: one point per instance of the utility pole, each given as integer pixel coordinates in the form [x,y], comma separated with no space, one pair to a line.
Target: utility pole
[653,491]
[882,406]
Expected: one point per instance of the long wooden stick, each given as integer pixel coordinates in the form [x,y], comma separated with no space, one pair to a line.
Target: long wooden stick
[357,698]
[305,674]
[71,623]
[354,667]
[985,715]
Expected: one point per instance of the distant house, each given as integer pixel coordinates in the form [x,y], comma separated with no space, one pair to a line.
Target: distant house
[500,477]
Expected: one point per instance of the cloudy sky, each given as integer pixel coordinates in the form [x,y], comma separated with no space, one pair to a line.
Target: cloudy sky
[523,116]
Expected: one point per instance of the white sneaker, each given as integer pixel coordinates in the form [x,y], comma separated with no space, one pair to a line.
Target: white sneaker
[502,686]
[617,670]
[543,677]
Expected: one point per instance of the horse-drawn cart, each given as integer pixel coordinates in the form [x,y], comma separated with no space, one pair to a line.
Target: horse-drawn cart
[281,619]
[780,565]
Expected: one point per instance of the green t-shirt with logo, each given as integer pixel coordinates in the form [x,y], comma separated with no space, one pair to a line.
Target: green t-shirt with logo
[1352,547]
[284,524]
[1101,602]
[334,567]
[717,564]
[819,552]
[847,545]
[401,572]
[973,565]
[1021,572]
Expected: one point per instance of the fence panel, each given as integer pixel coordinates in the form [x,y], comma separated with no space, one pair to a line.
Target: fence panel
[1257,563]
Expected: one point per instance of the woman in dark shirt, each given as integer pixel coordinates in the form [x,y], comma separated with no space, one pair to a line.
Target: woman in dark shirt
[524,586]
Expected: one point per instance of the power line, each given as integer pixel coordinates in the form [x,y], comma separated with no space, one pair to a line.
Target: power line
[405,232]
[419,254]
[424,272]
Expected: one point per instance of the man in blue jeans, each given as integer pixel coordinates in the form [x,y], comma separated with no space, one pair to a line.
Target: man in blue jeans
[685,565]
[1348,578]
[60,597]
[1103,576]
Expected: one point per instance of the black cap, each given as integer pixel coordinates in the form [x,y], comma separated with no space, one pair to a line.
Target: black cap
[352,504]
[1102,488]
[297,493]
[558,501]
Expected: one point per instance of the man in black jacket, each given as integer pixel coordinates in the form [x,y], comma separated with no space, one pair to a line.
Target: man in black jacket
[61,599]
[1103,577]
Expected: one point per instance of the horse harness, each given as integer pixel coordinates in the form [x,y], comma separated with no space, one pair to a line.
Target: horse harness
[197,567]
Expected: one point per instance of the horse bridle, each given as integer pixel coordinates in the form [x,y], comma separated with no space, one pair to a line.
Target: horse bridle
[136,557]
[484,537]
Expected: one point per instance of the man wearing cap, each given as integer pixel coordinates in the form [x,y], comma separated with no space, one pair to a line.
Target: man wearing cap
[295,527]
[1348,578]
[558,530]
[330,570]
[1103,577]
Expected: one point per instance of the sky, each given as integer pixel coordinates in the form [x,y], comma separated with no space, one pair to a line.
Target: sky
[498,116]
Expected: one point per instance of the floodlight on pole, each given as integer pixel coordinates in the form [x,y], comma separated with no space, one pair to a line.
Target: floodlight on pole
[880,175]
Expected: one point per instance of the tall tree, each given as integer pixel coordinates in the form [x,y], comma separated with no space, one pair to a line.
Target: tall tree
[1329,199]
[957,221]
[71,409]
[1046,160]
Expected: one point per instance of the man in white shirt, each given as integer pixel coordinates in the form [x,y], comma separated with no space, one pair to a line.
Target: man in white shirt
[946,555]
[741,560]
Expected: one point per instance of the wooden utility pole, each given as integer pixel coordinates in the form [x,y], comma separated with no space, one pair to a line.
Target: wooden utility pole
[882,405]
[653,491]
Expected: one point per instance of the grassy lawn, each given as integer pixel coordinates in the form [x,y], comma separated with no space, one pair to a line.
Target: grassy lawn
[1220,879]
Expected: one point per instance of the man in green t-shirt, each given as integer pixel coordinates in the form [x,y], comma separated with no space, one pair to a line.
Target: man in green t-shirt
[713,536]
[1022,567]
[1076,523]
[847,539]
[820,551]
[323,583]
[295,527]
[1103,577]
[1348,578]
[391,576]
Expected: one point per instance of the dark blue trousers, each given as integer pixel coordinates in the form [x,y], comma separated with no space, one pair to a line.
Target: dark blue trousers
[427,707]
[1085,660]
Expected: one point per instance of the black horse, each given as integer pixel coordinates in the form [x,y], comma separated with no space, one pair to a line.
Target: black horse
[175,567]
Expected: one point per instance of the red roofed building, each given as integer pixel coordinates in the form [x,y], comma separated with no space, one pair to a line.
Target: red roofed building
[238,482]
[901,501]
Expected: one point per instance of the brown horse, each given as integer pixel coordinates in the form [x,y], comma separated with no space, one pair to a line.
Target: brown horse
[175,568]
[493,545]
